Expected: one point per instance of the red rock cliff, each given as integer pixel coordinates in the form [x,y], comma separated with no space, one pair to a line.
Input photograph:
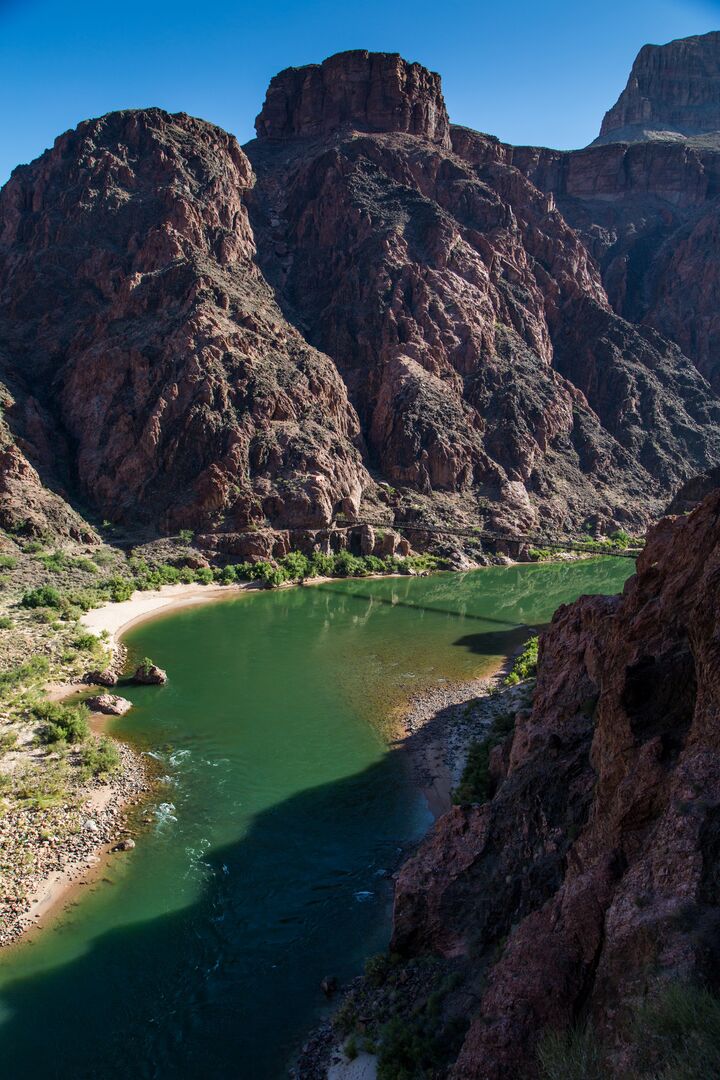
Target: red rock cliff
[358,90]
[672,88]
[597,857]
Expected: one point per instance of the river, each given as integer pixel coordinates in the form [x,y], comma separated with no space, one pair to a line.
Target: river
[281,811]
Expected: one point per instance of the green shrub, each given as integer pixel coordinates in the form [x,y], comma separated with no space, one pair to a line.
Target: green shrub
[574,1054]
[42,596]
[32,547]
[204,575]
[476,784]
[32,670]
[296,565]
[62,723]
[5,622]
[85,641]
[677,1034]
[7,562]
[55,562]
[119,588]
[100,757]
[321,565]
[186,536]
[525,665]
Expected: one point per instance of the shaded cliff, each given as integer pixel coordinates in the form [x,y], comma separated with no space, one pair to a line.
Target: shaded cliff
[593,870]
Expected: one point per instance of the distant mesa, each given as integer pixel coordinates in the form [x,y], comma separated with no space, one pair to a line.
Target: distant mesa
[360,90]
[673,91]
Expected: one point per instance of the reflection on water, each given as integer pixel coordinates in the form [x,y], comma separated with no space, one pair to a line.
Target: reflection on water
[263,868]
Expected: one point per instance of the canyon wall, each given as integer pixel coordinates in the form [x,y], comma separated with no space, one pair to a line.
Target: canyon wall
[365,312]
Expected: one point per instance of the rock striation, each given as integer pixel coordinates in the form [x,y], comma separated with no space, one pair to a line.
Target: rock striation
[139,332]
[250,342]
[357,90]
[594,867]
[672,89]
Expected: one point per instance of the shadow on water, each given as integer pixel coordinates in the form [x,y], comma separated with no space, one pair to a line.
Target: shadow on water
[495,642]
[195,993]
[375,598]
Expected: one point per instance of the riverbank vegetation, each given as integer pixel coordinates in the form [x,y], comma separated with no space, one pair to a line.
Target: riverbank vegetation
[590,545]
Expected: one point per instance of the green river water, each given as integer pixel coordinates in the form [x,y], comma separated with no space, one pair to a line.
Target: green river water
[200,953]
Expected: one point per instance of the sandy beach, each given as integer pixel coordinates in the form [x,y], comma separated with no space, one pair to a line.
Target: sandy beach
[115,619]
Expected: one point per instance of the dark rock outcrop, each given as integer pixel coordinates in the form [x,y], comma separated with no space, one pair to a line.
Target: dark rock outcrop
[597,856]
[358,90]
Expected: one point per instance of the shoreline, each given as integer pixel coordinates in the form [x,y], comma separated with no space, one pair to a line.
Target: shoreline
[436,752]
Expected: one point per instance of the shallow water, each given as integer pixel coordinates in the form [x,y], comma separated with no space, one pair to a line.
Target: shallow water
[200,954]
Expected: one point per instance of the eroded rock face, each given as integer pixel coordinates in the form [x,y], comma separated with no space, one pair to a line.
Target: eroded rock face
[197,336]
[136,322]
[672,88]
[597,857]
[472,329]
[359,90]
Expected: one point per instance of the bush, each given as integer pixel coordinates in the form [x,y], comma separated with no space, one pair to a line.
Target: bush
[85,641]
[119,588]
[574,1054]
[677,1034]
[5,622]
[33,669]
[296,565]
[99,758]
[146,665]
[525,666]
[204,575]
[476,784]
[7,562]
[186,536]
[43,596]
[62,723]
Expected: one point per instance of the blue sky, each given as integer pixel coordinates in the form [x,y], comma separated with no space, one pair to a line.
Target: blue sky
[529,72]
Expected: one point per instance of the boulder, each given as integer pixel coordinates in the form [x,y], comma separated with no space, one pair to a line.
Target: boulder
[111,704]
[150,675]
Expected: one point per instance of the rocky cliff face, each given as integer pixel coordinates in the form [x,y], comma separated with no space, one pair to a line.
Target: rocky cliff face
[594,867]
[468,320]
[198,336]
[673,88]
[358,90]
[140,335]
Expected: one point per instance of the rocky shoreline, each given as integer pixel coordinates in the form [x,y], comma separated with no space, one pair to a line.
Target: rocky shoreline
[437,727]
[48,851]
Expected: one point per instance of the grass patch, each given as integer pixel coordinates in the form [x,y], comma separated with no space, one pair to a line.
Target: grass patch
[575,1054]
[99,758]
[31,671]
[525,665]
[476,784]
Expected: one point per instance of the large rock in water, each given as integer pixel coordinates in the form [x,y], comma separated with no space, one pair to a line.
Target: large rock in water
[597,857]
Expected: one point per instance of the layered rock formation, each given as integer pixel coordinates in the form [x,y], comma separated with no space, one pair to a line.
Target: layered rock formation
[468,320]
[673,88]
[140,335]
[594,867]
[236,342]
[358,90]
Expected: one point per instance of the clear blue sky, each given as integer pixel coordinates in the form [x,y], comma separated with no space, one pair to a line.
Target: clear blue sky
[530,72]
